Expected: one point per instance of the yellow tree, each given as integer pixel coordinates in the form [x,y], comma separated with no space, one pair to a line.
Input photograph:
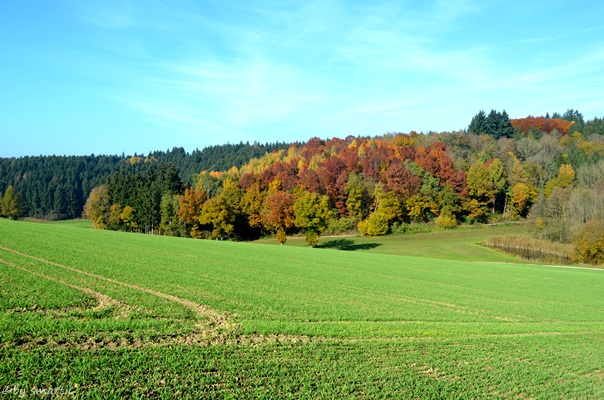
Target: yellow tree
[420,207]
[497,175]
[357,200]
[565,178]
[481,191]
[377,224]
[523,196]
[127,217]
[566,175]
[115,211]
[216,213]
[388,208]
[232,195]
[589,243]
[11,203]
[224,210]
[252,204]
[518,173]
[96,208]
[312,212]
[189,210]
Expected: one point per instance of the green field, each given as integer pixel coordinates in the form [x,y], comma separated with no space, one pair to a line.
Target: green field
[103,314]
[462,244]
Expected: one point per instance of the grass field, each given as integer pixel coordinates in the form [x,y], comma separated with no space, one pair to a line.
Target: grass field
[102,314]
[462,244]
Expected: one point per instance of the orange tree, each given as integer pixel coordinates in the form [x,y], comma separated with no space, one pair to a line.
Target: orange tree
[277,215]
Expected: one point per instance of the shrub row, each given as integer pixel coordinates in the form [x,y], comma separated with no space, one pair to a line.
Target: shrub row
[533,249]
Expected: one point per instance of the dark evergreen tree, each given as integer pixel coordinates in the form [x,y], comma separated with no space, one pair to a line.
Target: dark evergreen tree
[595,126]
[506,129]
[60,202]
[574,116]
[478,125]
[496,124]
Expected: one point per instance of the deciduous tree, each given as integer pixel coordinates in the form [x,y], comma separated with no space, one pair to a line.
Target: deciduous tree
[589,243]
[565,178]
[11,203]
[97,207]
[522,198]
[312,214]
[480,188]
[358,198]
[115,220]
[215,212]
[277,215]
[189,211]
[252,203]
[497,176]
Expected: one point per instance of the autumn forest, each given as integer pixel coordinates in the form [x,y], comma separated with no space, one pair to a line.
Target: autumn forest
[547,170]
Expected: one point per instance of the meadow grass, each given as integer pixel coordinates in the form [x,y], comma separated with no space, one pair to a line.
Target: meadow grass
[76,223]
[462,244]
[184,317]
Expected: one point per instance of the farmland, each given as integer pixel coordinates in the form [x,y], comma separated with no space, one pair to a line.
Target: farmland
[462,244]
[100,313]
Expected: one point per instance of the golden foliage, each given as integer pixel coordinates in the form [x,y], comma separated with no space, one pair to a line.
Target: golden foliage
[589,243]
[446,221]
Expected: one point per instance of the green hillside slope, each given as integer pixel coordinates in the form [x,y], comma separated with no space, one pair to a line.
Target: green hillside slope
[299,320]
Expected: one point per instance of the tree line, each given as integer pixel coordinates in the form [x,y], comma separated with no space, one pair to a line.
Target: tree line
[547,169]
[56,187]
[379,185]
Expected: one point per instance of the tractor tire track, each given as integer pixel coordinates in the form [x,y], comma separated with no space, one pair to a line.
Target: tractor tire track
[216,319]
[104,301]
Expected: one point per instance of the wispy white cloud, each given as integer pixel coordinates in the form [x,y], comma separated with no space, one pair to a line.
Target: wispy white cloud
[314,65]
[563,35]
[106,15]
[208,71]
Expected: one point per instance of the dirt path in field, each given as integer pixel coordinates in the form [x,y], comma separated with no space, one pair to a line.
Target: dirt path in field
[214,327]
[104,301]
[216,319]
[219,330]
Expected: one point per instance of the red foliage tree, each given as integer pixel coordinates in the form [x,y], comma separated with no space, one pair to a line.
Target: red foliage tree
[309,180]
[436,161]
[406,153]
[329,170]
[400,180]
[458,182]
[278,211]
[313,146]
[333,176]
[350,158]
[286,173]
[546,125]
[377,159]
[336,144]
[248,180]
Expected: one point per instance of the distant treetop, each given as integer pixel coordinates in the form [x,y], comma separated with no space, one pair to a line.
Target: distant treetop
[495,124]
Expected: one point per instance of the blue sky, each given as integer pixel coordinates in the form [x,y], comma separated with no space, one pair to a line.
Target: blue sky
[106,77]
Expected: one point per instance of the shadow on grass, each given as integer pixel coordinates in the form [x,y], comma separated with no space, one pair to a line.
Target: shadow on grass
[347,245]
